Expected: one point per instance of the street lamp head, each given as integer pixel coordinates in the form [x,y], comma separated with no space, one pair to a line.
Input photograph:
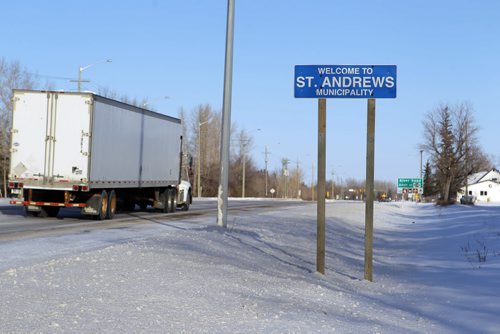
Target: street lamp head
[83,68]
[149,102]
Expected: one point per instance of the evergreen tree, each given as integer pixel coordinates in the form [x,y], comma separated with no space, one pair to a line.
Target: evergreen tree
[445,162]
[429,183]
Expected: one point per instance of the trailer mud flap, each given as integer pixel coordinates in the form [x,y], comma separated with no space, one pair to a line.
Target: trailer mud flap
[93,204]
[33,208]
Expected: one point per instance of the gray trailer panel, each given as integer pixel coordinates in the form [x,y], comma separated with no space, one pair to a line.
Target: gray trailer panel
[64,139]
[133,147]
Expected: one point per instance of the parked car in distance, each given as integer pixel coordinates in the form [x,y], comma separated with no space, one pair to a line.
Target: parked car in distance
[468,199]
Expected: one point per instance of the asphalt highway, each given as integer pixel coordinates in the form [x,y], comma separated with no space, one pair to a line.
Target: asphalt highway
[15,225]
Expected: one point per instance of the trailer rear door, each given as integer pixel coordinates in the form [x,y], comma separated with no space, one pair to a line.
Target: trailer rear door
[29,128]
[50,139]
[71,140]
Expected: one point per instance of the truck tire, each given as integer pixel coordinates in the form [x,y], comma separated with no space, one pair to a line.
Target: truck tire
[173,200]
[167,198]
[102,207]
[185,206]
[111,205]
[164,200]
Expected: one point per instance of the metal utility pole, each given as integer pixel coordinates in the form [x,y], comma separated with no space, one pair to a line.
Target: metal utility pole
[284,163]
[298,179]
[466,159]
[370,171]
[421,176]
[266,153]
[226,119]
[80,70]
[421,151]
[198,165]
[5,175]
[333,196]
[312,182]
[242,148]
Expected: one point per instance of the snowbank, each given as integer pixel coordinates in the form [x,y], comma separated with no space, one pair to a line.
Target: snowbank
[259,274]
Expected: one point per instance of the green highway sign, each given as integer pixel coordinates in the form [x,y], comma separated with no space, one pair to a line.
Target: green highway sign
[410,185]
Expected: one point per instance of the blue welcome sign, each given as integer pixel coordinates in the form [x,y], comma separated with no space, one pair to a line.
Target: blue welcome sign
[345,81]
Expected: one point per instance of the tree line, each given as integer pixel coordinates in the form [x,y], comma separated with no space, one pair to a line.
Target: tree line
[202,128]
[201,145]
[449,139]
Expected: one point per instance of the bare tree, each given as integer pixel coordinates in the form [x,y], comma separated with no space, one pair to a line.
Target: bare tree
[187,156]
[450,137]
[106,92]
[205,140]
[111,94]
[295,181]
[12,76]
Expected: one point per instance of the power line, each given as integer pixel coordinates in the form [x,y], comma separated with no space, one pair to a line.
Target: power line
[49,76]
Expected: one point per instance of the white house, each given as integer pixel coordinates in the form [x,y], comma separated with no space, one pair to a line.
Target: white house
[485,186]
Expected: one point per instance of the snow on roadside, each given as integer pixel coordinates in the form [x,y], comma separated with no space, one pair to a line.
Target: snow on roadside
[258,275]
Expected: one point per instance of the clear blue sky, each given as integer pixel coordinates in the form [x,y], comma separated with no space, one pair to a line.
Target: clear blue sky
[446,52]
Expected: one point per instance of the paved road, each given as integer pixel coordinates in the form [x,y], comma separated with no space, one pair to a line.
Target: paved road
[15,225]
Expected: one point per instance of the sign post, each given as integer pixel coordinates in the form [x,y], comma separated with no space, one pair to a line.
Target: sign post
[370,171]
[320,253]
[345,81]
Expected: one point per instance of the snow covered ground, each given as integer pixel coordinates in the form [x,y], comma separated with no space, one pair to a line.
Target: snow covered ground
[436,270]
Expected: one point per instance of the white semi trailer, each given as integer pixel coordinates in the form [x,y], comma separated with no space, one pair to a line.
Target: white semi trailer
[87,151]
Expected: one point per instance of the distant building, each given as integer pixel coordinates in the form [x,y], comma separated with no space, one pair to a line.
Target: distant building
[485,186]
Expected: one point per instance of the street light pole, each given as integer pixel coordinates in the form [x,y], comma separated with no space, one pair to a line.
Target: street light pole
[198,164]
[80,70]
[284,166]
[226,120]
[333,195]
[298,179]
[244,167]
[266,153]
[312,182]
[421,151]
[244,141]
